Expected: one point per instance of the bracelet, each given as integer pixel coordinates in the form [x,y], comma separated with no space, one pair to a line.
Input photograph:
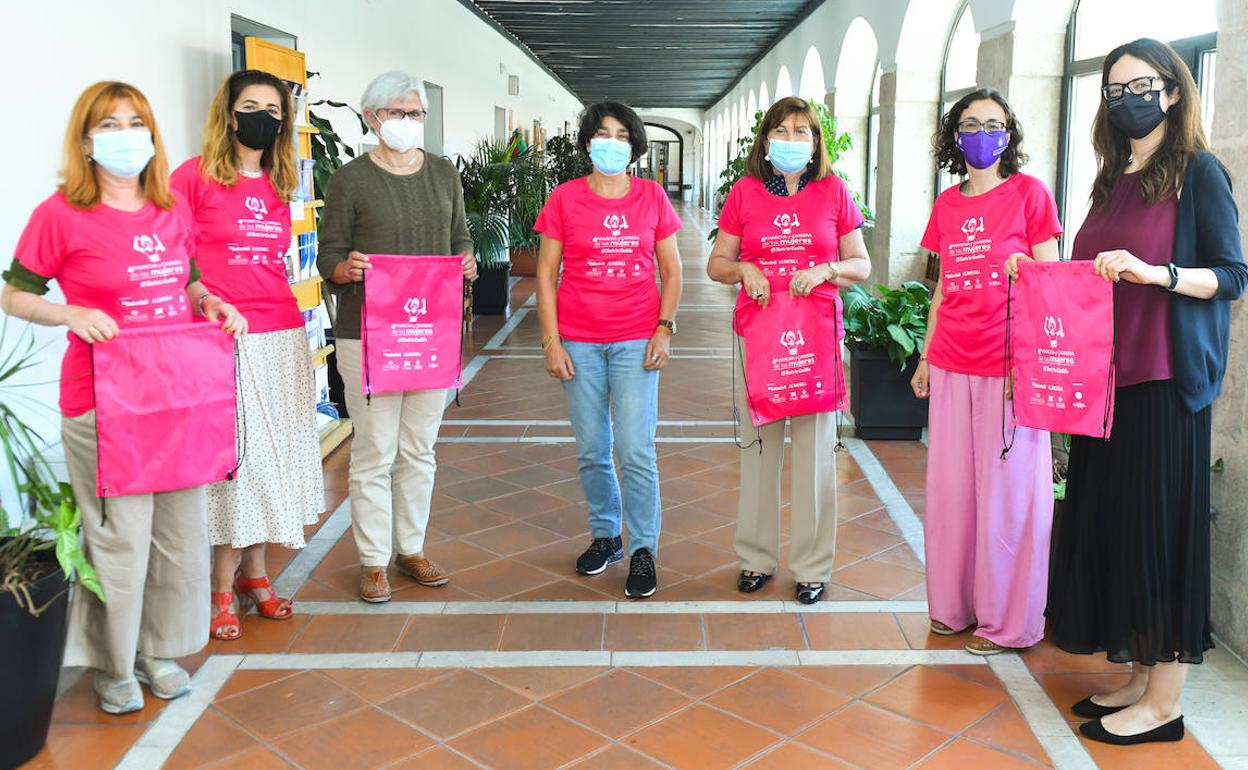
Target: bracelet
[549,340]
[200,303]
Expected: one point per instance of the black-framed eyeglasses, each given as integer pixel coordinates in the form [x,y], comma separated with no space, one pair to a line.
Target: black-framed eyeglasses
[1137,86]
[390,113]
[973,126]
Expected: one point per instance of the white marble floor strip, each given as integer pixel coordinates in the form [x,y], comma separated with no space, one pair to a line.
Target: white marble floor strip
[503,333]
[606,608]
[300,568]
[894,502]
[1046,722]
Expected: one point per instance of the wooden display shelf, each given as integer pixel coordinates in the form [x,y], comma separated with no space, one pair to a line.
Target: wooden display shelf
[307,292]
[307,129]
[321,354]
[334,434]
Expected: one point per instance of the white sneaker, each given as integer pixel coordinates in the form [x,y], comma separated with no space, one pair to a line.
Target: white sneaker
[118,696]
[165,677]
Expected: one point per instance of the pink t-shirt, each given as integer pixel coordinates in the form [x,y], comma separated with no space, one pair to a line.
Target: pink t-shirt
[607,291]
[974,236]
[134,266]
[243,234]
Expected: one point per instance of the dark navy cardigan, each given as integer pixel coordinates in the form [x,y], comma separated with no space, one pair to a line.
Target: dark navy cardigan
[1206,234]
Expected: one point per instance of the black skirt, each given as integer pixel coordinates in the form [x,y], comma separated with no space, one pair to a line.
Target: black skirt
[1131,554]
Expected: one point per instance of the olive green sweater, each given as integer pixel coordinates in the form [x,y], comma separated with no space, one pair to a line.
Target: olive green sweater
[373,211]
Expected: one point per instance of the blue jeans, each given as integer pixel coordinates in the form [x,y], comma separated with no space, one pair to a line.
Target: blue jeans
[613,400]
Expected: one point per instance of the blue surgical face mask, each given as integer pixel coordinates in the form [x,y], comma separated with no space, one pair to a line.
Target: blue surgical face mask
[789,157]
[125,152]
[610,156]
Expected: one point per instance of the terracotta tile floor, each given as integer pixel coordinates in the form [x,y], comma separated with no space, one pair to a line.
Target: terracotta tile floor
[508,522]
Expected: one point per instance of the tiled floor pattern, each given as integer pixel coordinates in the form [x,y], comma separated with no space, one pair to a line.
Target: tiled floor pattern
[508,522]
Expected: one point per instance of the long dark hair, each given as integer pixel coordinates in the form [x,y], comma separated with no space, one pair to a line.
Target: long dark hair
[1185,134]
[945,141]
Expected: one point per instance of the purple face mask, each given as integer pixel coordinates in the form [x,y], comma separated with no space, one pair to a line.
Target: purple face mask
[981,149]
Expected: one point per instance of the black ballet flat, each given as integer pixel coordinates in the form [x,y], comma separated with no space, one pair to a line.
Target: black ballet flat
[1169,732]
[1089,710]
[809,593]
[748,584]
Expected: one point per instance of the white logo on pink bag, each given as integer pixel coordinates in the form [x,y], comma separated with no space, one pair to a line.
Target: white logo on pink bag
[149,246]
[415,307]
[786,222]
[793,340]
[1054,329]
[616,223]
[972,227]
[255,206]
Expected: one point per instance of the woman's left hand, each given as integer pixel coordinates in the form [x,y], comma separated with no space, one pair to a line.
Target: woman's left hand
[469,262]
[219,311]
[658,350]
[1121,264]
[805,281]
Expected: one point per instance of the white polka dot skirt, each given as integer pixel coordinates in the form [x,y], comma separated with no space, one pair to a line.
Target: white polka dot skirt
[279,487]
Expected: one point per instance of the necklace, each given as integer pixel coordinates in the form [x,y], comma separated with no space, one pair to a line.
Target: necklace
[251,174]
[377,156]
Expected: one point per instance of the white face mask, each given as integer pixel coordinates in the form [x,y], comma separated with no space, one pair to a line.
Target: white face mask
[403,134]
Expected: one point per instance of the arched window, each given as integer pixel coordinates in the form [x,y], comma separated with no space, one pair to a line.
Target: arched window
[958,78]
[1098,26]
[811,87]
[873,141]
[856,69]
[764,101]
[784,84]
[751,108]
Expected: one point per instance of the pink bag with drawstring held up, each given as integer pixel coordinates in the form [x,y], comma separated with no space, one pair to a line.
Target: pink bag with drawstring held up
[793,360]
[165,409]
[413,329]
[1061,338]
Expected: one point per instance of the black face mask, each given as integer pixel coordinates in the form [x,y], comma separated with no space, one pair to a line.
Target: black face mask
[257,130]
[1136,115]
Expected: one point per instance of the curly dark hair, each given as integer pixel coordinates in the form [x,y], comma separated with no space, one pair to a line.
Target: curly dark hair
[593,116]
[945,141]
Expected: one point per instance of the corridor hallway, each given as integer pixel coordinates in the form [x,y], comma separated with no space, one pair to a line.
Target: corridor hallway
[520,664]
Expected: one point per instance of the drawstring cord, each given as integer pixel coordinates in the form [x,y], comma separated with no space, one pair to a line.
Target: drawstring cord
[736,412]
[1009,381]
[240,415]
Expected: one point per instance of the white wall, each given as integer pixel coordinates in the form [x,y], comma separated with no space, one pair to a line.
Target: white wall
[689,123]
[178,52]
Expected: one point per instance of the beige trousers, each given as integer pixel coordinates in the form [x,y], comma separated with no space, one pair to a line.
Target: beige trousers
[392,462]
[151,556]
[813,492]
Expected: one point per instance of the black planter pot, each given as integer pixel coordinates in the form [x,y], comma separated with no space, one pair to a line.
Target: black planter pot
[880,397]
[31,649]
[492,291]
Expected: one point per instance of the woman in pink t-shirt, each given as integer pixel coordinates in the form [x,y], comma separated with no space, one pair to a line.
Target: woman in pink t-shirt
[606,331]
[988,517]
[118,245]
[789,224]
[239,192]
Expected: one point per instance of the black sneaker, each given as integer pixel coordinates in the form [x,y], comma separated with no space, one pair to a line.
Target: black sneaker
[602,553]
[642,579]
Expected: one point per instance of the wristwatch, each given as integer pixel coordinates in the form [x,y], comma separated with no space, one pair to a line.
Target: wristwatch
[1174,276]
[669,325]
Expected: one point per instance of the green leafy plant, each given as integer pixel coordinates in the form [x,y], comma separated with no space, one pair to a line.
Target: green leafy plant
[565,161]
[895,321]
[42,532]
[837,144]
[489,176]
[329,152]
[532,181]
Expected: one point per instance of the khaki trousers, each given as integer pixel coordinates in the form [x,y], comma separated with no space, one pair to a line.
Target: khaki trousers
[392,462]
[813,492]
[152,559]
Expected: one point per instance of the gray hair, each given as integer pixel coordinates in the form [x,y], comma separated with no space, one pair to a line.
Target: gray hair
[392,86]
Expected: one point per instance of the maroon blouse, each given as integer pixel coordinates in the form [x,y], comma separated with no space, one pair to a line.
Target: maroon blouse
[1142,320]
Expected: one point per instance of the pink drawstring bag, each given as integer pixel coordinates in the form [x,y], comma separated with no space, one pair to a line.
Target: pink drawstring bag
[793,360]
[165,409]
[413,330]
[1060,346]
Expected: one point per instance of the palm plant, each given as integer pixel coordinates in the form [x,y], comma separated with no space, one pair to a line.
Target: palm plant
[42,532]
[488,175]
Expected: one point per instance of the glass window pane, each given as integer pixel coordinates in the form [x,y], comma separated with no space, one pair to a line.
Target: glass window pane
[1081,168]
[963,55]
[1101,25]
[1208,67]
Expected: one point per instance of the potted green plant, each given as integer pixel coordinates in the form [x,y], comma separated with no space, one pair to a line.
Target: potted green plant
[40,558]
[837,144]
[532,185]
[885,335]
[488,178]
[565,161]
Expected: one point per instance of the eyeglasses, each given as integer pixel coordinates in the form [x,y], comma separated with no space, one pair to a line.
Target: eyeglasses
[1137,86]
[973,126]
[389,113]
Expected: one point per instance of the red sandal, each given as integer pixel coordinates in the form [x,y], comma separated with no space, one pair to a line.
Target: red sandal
[274,607]
[224,618]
